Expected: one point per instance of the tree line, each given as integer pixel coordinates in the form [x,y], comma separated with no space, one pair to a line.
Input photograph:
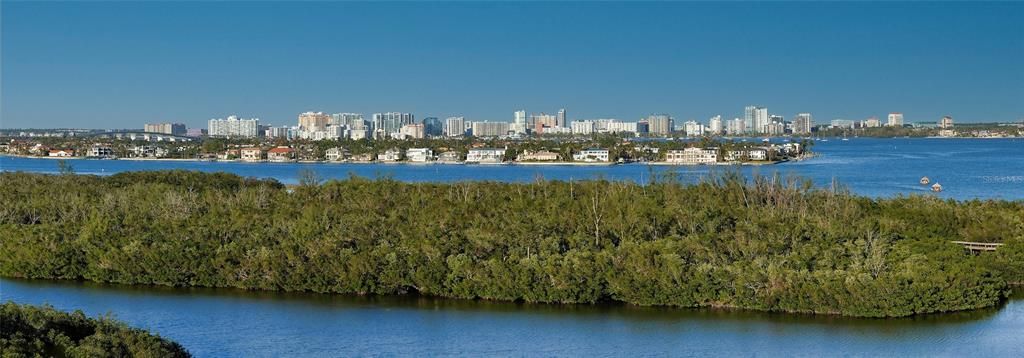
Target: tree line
[42,331]
[767,243]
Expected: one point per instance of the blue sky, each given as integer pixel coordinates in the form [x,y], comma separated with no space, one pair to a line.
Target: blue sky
[122,64]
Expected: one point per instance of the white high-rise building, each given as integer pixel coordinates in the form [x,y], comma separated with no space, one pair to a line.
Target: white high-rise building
[519,124]
[735,127]
[614,126]
[582,127]
[519,117]
[761,119]
[803,123]
[455,126]
[895,119]
[560,122]
[234,127]
[715,125]
[693,129]
[754,119]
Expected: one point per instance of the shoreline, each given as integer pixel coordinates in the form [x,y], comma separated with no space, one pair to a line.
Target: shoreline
[264,161]
[709,306]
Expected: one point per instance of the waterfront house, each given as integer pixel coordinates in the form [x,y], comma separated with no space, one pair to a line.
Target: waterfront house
[419,155]
[100,151]
[692,156]
[148,151]
[390,155]
[336,154]
[449,157]
[591,155]
[754,154]
[251,154]
[787,148]
[757,154]
[485,155]
[62,152]
[538,156]
[281,154]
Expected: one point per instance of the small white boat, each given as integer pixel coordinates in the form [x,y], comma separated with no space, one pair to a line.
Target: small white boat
[936,187]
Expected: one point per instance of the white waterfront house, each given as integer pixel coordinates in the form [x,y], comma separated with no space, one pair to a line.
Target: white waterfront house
[99,151]
[692,156]
[419,155]
[591,155]
[449,157]
[485,155]
[390,155]
[746,154]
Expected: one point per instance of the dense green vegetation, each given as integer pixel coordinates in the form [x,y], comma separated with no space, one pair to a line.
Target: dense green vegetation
[767,244]
[29,331]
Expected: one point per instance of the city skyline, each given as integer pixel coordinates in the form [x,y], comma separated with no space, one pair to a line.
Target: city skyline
[70,65]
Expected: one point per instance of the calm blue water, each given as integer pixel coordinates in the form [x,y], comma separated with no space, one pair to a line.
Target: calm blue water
[231,323]
[966,168]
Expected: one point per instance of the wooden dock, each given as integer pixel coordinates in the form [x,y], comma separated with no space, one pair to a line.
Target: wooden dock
[978,246]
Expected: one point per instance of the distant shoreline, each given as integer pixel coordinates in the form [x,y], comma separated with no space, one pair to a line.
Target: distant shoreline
[554,164]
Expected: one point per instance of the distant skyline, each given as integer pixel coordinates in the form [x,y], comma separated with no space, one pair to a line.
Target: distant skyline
[123,64]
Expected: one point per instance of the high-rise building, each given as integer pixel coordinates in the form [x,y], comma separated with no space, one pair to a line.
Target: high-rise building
[715,125]
[313,121]
[166,128]
[693,129]
[946,122]
[895,119]
[519,117]
[582,127]
[736,127]
[754,119]
[872,122]
[660,124]
[433,127]
[748,118]
[842,123]
[560,121]
[803,123]
[543,120]
[519,122]
[414,131]
[614,126]
[387,124]
[455,126]
[490,129]
[352,120]
[234,127]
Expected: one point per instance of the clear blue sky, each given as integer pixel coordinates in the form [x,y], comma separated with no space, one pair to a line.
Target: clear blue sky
[121,64]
